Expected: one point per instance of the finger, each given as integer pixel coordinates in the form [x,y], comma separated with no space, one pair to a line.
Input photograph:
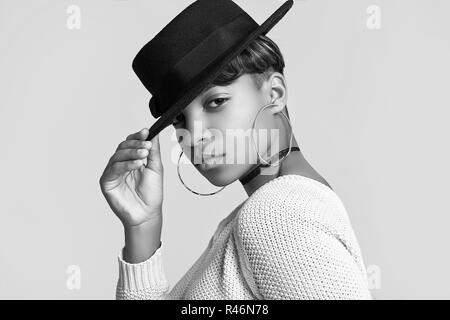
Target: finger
[117,169]
[134,144]
[154,156]
[128,154]
[140,135]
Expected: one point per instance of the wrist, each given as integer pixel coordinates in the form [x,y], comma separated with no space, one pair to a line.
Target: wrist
[141,241]
[146,226]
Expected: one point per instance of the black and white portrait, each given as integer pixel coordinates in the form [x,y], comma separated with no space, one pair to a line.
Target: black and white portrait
[224,150]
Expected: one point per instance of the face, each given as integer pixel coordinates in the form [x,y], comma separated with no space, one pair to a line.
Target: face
[214,129]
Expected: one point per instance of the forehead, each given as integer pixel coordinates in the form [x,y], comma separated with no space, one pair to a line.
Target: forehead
[212,86]
[240,80]
[209,86]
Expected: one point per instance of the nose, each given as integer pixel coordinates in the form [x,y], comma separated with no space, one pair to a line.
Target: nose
[194,146]
[193,134]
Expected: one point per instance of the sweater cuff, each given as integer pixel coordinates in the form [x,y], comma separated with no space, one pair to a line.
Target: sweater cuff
[143,275]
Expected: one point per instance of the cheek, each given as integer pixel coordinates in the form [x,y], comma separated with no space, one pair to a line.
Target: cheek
[237,117]
[239,113]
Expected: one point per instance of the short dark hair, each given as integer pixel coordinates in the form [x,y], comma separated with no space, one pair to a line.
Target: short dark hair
[260,59]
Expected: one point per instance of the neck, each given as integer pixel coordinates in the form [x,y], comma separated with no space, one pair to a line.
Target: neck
[294,163]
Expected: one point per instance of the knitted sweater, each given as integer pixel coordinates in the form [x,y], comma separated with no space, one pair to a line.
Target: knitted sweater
[291,239]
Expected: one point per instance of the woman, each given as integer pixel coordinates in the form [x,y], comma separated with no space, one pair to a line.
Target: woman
[290,239]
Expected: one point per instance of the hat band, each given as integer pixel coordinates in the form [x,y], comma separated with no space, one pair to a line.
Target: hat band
[183,74]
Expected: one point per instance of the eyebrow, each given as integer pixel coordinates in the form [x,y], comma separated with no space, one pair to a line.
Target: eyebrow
[209,86]
[204,91]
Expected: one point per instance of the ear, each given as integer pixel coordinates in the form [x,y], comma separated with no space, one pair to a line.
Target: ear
[278,92]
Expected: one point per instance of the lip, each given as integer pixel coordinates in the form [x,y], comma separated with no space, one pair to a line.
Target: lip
[211,156]
[209,161]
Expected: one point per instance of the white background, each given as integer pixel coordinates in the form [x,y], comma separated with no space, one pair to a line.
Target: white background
[369,109]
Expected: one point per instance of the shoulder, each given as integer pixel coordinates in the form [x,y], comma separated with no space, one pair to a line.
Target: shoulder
[287,214]
[292,210]
[290,202]
[291,234]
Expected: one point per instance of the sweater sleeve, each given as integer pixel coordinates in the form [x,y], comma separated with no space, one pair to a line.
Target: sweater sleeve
[142,281]
[292,256]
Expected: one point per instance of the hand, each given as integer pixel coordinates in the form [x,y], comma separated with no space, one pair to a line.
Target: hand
[132,181]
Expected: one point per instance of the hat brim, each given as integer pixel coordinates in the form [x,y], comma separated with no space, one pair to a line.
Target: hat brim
[167,117]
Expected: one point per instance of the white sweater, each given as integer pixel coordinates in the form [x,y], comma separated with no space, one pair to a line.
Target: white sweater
[291,239]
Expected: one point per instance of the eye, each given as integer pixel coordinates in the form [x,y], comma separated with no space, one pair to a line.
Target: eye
[178,119]
[218,102]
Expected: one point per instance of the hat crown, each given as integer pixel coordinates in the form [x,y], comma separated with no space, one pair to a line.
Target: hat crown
[187,45]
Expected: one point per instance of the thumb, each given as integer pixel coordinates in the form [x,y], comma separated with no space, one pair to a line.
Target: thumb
[154,156]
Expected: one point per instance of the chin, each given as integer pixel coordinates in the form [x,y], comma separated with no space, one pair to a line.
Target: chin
[221,174]
[217,174]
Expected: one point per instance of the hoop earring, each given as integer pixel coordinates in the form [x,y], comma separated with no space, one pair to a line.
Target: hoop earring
[197,193]
[265,163]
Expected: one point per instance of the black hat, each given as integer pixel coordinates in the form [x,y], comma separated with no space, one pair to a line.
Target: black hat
[191,51]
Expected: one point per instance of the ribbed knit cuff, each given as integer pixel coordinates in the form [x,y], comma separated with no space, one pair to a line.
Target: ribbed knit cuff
[143,275]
